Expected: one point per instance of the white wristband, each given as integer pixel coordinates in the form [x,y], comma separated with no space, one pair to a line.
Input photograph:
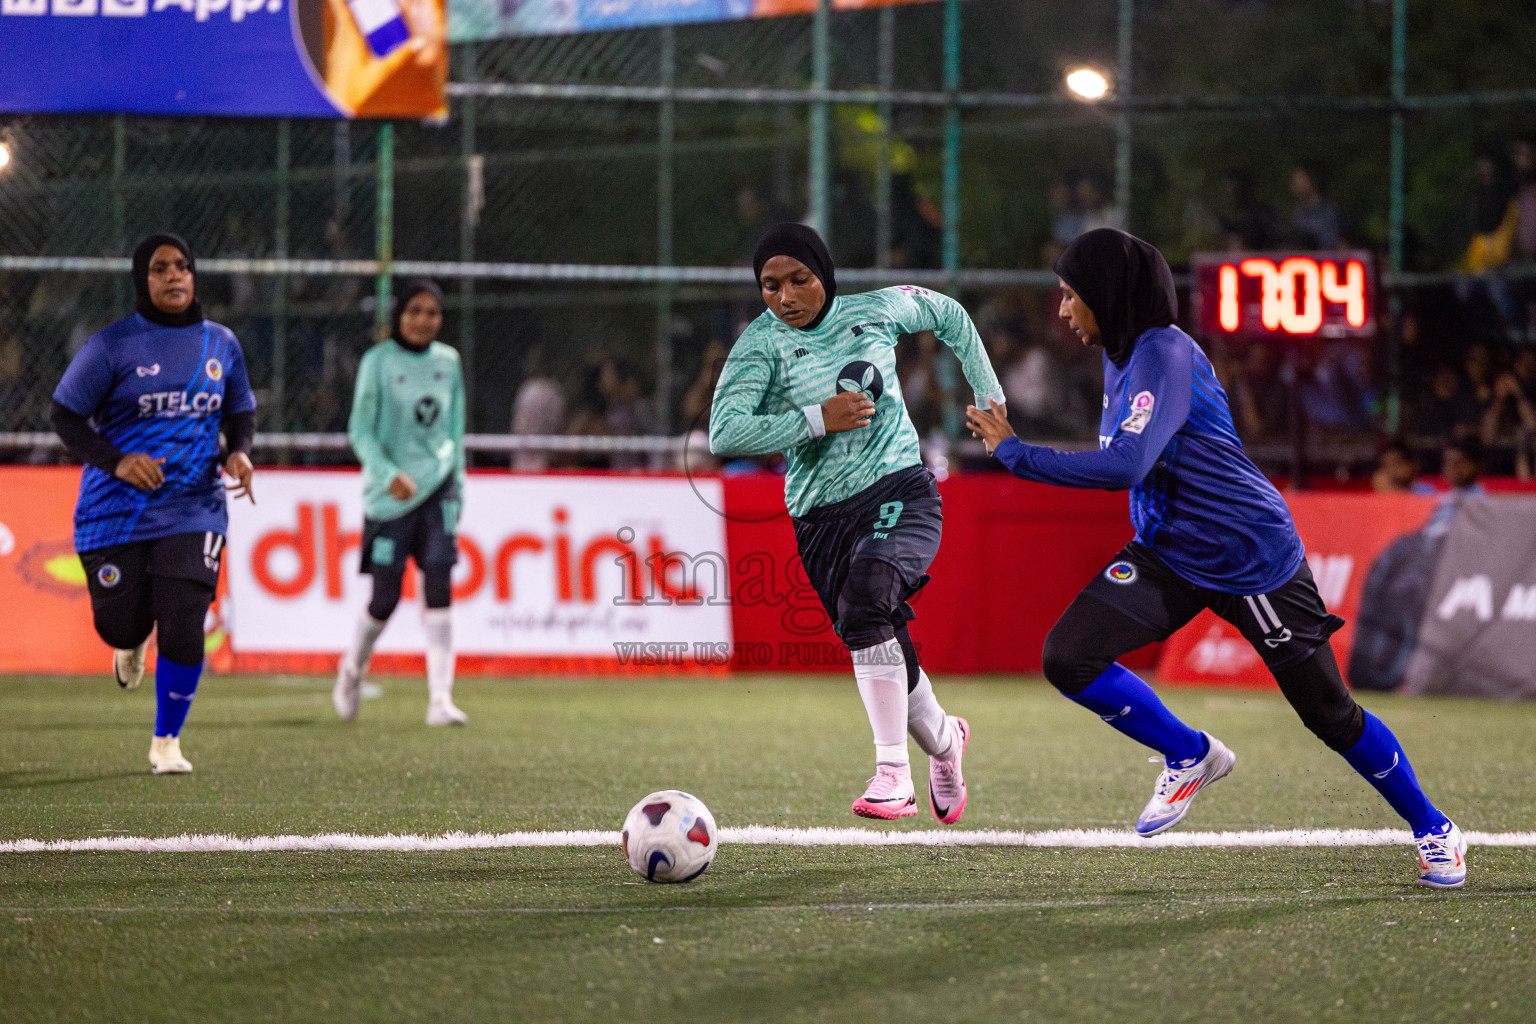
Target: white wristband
[817,421]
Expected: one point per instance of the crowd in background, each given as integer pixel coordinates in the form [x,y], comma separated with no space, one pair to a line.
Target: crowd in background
[1464,375]
[1467,358]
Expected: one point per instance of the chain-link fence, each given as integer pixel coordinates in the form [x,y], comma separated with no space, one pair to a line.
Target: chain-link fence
[589,196]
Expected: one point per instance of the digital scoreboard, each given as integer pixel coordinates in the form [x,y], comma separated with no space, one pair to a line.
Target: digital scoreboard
[1285,295]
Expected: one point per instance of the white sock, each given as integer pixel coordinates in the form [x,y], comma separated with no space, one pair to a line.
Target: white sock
[881,673]
[438,623]
[926,721]
[367,634]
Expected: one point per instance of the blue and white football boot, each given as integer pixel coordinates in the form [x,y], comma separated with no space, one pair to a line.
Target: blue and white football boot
[1176,788]
[1442,857]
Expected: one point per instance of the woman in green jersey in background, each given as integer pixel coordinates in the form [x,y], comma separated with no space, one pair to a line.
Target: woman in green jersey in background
[814,377]
[407,428]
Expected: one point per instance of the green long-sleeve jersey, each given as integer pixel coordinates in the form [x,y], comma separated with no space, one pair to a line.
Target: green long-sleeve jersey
[775,379]
[407,417]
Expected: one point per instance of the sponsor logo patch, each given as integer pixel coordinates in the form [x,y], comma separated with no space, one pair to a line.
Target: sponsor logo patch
[1141,413]
[109,575]
[863,377]
[1123,573]
[148,371]
[214,369]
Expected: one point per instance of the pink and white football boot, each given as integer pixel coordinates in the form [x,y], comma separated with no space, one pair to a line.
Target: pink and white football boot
[890,794]
[946,782]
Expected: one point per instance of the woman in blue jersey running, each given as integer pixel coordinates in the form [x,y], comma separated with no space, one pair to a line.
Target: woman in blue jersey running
[814,377]
[142,405]
[1211,532]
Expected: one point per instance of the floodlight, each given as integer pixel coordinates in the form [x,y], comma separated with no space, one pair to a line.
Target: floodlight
[1087,84]
[5,155]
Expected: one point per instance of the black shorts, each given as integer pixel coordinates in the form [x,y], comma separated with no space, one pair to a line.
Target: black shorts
[897,520]
[427,533]
[119,572]
[1285,625]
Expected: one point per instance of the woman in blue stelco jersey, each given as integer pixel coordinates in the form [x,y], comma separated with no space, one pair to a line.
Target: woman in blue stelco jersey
[142,405]
[1211,532]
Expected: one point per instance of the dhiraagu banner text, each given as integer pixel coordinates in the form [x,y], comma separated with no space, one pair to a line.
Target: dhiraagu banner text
[244,58]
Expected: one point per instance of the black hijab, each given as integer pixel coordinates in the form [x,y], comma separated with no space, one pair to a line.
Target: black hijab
[1125,282]
[403,296]
[147,309]
[804,244]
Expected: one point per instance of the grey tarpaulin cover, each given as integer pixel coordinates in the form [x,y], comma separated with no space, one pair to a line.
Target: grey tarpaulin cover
[1392,607]
[1478,634]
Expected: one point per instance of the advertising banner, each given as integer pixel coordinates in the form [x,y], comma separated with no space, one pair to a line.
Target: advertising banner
[47,612]
[588,572]
[474,20]
[1478,634]
[1343,534]
[242,58]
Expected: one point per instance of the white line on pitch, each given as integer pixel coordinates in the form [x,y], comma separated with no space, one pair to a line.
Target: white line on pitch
[752,835]
[1408,892]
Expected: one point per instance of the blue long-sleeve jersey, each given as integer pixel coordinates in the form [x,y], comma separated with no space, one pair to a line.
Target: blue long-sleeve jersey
[161,391]
[1196,500]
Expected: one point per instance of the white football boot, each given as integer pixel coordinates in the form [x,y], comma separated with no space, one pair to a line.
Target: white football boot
[128,666]
[1443,858]
[344,695]
[443,711]
[1176,788]
[165,757]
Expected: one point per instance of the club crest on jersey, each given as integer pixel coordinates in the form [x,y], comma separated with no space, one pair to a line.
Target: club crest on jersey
[1123,573]
[214,369]
[109,575]
[1141,413]
[426,411]
[863,377]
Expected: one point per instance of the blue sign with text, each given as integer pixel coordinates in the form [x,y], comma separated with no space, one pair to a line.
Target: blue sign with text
[271,58]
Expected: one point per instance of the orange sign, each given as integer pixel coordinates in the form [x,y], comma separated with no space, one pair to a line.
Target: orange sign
[42,585]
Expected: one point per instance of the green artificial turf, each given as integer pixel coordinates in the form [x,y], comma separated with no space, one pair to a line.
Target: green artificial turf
[768,933]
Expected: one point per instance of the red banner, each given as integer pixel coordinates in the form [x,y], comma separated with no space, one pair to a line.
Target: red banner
[1343,534]
[1014,555]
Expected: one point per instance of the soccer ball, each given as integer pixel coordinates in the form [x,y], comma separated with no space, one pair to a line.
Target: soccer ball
[670,836]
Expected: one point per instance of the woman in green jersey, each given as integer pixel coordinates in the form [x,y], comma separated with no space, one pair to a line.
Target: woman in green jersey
[407,428]
[814,377]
